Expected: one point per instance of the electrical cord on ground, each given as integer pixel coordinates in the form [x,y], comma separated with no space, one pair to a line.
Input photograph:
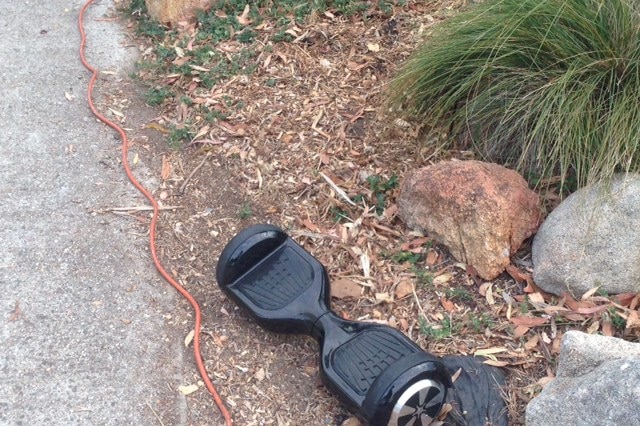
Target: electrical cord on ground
[154,219]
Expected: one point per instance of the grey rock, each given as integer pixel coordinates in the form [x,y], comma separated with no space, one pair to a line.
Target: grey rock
[597,383]
[591,240]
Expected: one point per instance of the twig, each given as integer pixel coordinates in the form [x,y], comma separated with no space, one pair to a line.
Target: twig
[417,300]
[138,209]
[314,235]
[358,280]
[183,187]
[384,229]
[155,414]
[338,190]
[136,217]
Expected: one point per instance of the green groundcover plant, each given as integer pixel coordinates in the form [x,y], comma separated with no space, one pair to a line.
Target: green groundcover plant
[550,87]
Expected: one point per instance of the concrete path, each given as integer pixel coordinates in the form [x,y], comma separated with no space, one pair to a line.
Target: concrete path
[84,333]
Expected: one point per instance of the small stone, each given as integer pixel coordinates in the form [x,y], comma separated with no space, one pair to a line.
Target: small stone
[481,211]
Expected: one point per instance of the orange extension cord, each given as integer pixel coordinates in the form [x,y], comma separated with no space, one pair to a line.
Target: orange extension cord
[154,220]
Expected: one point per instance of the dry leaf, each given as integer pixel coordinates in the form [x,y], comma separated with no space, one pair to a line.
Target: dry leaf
[593,328]
[445,410]
[496,363]
[531,287]
[310,225]
[432,257]
[324,158]
[489,351]
[260,374]
[199,68]
[417,242]
[607,328]
[447,304]
[158,127]
[554,309]
[220,340]
[545,381]
[384,297]
[403,289]
[365,262]
[516,274]
[625,299]
[532,343]
[573,316]
[373,47]
[632,320]
[589,293]
[343,288]
[391,212]
[486,290]
[202,132]
[529,321]
[555,346]
[244,18]
[188,390]
[443,278]
[489,295]
[404,324]
[116,113]
[573,304]
[592,310]
[634,303]
[536,297]
[483,289]
[166,168]
[189,338]
[455,375]
[520,331]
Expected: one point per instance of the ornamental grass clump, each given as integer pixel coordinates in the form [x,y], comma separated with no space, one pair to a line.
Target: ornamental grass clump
[550,87]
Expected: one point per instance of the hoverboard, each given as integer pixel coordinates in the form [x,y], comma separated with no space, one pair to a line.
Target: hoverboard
[375,369]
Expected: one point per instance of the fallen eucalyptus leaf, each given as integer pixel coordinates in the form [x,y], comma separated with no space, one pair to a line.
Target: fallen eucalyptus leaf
[343,288]
[188,389]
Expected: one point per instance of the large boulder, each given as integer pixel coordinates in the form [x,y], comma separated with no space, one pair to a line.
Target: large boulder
[174,11]
[591,240]
[597,383]
[481,211]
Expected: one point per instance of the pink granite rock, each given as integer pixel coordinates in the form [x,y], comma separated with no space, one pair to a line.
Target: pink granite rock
[481,211]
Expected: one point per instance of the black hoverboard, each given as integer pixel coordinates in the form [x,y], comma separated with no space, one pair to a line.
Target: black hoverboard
[375,369]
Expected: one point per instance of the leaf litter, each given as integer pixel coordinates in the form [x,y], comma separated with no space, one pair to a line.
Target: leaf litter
[301,142]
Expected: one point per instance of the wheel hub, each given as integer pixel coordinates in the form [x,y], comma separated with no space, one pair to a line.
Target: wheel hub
[418,405]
